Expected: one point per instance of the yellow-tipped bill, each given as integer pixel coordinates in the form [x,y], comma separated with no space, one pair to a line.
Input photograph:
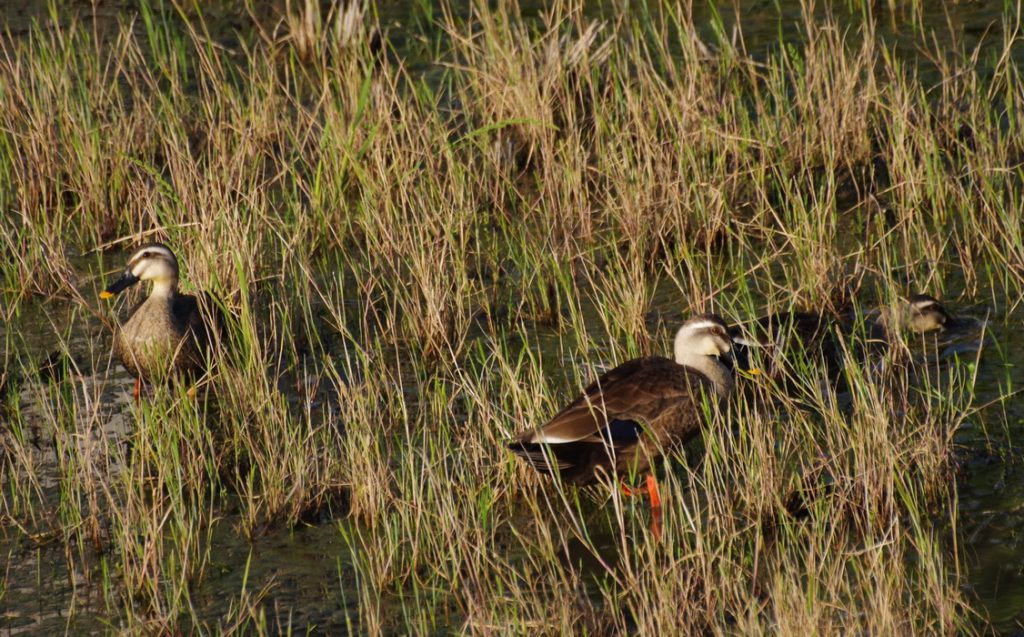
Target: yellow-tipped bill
[125,281]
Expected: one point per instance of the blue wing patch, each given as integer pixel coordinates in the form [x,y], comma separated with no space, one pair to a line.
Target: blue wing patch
[622,431]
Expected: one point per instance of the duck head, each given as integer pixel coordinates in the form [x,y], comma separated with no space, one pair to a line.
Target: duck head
[703,336]
[154,262]
[925,314]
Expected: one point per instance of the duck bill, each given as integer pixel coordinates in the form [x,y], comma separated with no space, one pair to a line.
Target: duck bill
[948,322]
[746,341]
[729,360]
[126,281]
[738,360]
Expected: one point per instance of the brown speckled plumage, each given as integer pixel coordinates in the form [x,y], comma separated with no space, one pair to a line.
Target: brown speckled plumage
[635,413]
[919,314]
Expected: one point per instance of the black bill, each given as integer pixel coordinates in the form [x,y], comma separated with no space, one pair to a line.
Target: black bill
[126,281]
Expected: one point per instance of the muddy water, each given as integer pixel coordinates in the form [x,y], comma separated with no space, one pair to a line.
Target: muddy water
[44,598]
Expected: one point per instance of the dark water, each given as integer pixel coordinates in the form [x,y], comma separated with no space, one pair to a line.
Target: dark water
[990,483]
[289,566]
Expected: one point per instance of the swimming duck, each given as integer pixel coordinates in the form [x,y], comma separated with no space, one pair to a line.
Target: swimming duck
[920,313]
[636,412]
[168,331]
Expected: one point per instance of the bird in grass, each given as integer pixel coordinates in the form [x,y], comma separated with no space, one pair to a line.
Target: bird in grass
[779,336]
[635,413]
[920,314]
[168,333]
[776,335]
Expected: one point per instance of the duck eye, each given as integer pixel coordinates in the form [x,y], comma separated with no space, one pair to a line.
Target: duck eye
[146,255]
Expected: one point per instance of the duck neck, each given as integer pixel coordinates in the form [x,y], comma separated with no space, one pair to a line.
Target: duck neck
[164,289]
[712,368]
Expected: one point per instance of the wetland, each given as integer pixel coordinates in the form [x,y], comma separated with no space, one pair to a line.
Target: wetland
[429,227]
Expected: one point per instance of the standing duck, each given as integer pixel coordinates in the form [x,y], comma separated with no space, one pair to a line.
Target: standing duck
[636,412]
[167,333]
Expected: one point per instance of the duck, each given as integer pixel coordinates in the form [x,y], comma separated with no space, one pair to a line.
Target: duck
[810,332]
[636,412]
[819,336]
[168,333]
[815,332]
[918,313]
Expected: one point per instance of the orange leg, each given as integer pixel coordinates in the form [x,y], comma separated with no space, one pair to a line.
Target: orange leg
[650,488]
[653,496]
[652,491]
[137,389]
[655,499]
[630,492]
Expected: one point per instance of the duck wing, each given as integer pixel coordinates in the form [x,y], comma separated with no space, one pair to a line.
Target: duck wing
[203,316]
[651,395]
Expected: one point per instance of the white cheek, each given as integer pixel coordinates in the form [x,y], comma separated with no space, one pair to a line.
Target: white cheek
[708,347]
[140,269]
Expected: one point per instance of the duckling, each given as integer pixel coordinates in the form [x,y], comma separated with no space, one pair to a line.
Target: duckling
[634,413]
[167,333]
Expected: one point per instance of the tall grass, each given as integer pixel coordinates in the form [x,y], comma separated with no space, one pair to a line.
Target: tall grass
[425,249]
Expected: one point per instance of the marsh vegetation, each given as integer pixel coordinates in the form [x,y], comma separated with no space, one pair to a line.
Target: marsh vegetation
[427,234]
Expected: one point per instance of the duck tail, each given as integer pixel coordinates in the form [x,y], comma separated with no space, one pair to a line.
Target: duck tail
[540,457]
